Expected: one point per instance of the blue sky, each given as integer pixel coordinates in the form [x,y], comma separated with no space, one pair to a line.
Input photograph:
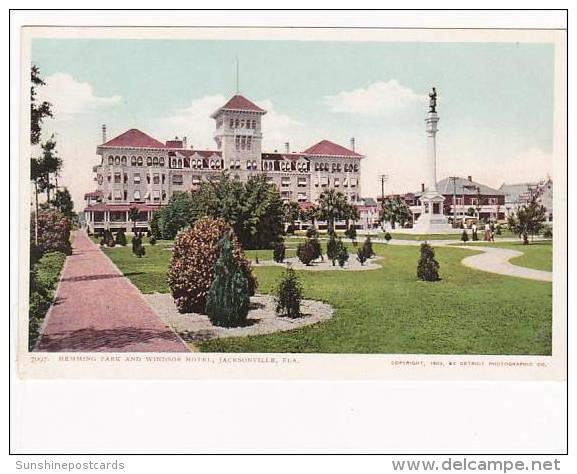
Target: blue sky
[495,100]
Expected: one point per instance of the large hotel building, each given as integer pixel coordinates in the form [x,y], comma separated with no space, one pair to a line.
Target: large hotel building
[139,171]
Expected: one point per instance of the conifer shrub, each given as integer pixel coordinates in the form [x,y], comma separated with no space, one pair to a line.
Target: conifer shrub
[137,247]
[289,295]
[317,249]
[306,252]
[428,268]
[312,232]
[351,233]
[465,237]
[342,253]
[362,255]
[228,299]
[388,237]
[368,248]
[332,249]
[121,238]
[278,252]
[191,269]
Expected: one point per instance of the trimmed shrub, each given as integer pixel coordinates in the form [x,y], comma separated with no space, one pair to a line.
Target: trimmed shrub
[428,268]
[306,252]
[317,249]
[332,249]
[44,278]
[228,299]
[342,253]
[151,240]
[312,232]
[362,255]
[53,232]
[289,295]
[191,269]
[465,237]
[121,238]
[137,247]
[388,237]
[278,252]
[351,233]
[368,247]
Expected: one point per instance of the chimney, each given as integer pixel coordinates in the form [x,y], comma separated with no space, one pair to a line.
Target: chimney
[353,143]
[422,187]
[184,143]
[470,178]
[103,133]
[287,147]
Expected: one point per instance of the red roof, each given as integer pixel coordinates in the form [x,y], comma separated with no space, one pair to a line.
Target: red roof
[238,102]
[328,148]
[134,138]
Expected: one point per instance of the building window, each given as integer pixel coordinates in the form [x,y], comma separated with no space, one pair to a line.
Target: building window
[249,165]
[177,179]
[337,182]
[123,160]
[474,201]
[117,178]
[133,160]
[161,161]
[248,143]
[110,160]
[155,178]
[356,168]
[156,195]
[117,160]
[324,181]
[237,123]
[353,182]
[285,182]
[302,197]
[139,161]
[125,195]
[195,180]
[302,182]
[137,195]
[155,161]
[136,178]
[346,182]
[231,123]
[118,194]
[492,201]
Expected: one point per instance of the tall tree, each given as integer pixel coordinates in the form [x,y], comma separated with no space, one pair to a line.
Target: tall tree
[395,210]
[38,112]
[63,202]
[333,206]
[529,219]
[291,213]
[50,164]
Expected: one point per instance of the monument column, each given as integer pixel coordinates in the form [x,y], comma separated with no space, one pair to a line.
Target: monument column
[431,179]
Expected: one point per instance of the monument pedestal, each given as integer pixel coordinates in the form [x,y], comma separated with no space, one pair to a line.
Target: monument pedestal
[432,220]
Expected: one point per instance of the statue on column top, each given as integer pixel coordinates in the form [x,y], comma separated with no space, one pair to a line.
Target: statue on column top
[433,100]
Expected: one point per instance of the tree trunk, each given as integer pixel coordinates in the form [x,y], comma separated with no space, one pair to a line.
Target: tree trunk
[36,213]
[525,238]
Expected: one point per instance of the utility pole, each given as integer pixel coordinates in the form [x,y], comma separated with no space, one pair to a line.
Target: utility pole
[384,178]
[454,180]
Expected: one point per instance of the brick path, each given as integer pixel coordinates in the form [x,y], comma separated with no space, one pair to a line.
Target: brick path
[97,309]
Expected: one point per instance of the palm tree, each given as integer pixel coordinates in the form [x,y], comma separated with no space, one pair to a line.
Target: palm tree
[333,206]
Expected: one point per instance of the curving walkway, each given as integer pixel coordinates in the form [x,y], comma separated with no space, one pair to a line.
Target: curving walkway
[496,260]
[97,309]
[492,260]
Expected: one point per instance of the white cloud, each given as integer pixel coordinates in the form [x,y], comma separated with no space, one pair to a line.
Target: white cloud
[195,123]
[378,98]
[70,97]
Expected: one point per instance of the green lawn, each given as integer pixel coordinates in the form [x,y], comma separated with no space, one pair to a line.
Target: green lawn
[538,255]
[389,310]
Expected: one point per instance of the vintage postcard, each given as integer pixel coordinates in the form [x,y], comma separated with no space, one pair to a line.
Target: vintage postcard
[293,203]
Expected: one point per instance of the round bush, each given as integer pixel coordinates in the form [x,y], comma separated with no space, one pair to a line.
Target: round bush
[191,270]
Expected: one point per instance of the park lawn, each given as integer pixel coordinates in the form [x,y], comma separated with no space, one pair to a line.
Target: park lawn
[389,311]
[537,255]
